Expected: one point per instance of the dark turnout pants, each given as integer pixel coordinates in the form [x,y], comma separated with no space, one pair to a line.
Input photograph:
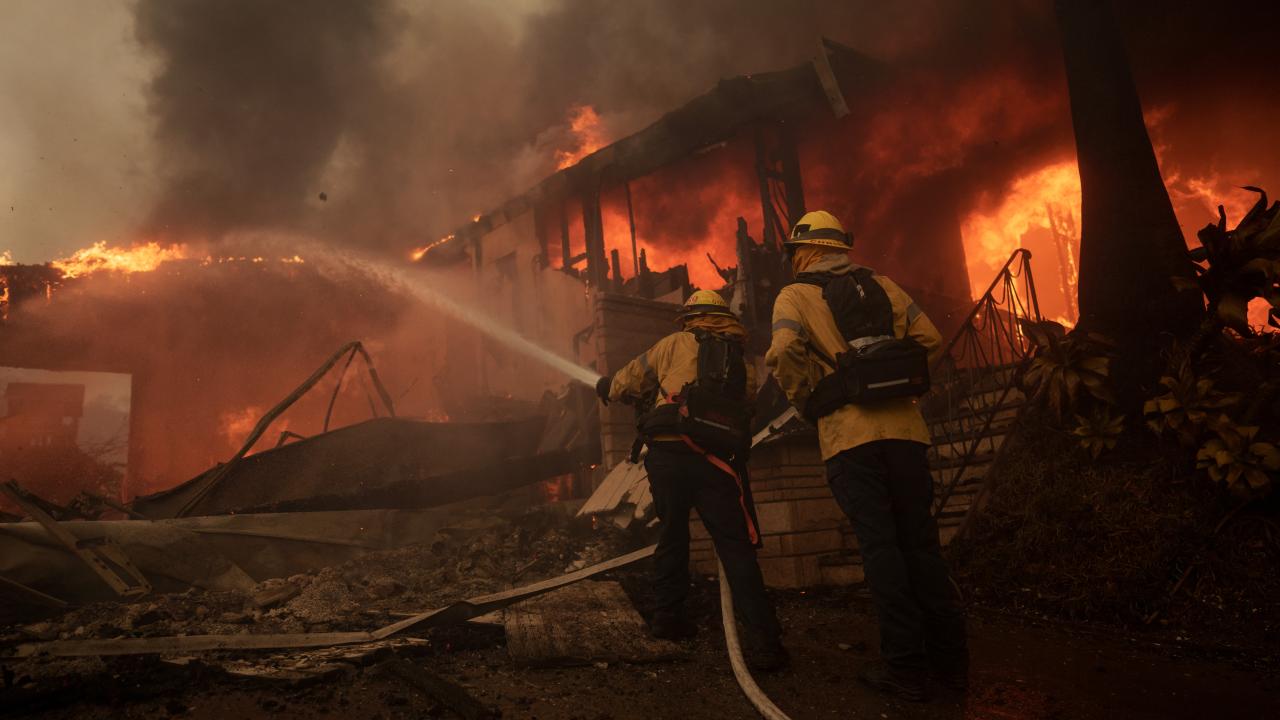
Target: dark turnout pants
[681,479]
[887,491]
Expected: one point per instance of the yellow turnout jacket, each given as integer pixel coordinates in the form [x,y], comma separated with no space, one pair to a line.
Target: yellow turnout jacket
[672,362]
[800,315]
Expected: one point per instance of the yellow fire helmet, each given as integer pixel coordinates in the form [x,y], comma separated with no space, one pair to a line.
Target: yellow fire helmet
[705,302]
[819,227]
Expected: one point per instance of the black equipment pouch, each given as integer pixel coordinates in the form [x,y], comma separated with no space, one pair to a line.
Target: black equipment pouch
[713,410]
[877,366]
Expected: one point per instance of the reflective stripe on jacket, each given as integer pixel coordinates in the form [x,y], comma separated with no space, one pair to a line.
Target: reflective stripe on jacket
[801,316]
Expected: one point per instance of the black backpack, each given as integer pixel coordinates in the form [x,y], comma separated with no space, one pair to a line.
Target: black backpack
[877,365]
[713,410]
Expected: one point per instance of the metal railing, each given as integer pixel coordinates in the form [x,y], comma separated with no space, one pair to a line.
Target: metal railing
[974,381]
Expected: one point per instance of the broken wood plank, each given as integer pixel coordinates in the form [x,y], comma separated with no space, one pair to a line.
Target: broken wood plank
[617,484]
[274,596]
[457,612]
[31,593]
[307,666]
[100,554]
[581,624]
[448,693]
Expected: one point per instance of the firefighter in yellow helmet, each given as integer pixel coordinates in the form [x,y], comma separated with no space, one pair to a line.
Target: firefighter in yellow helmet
[852,351]
[698,433]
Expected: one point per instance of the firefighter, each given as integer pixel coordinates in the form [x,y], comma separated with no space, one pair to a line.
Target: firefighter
[697,435]
[852,351]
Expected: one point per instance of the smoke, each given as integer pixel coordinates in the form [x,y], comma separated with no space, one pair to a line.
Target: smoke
[411,119]
[213,345]
[251,101]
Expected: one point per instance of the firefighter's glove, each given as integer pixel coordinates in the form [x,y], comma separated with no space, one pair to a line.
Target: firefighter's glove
[602,388]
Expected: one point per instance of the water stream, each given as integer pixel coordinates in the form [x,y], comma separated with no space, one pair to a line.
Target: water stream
[419,284]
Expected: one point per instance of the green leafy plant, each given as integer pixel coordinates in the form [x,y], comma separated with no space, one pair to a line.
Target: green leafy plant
[1186,407]
[1100,431]
[1233,458]
[1066,367]
[1242,264]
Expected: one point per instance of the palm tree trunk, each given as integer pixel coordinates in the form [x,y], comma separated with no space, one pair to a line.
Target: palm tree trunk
[1131,245]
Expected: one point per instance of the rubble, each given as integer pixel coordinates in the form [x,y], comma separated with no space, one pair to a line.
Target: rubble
[473,556]
[477,556]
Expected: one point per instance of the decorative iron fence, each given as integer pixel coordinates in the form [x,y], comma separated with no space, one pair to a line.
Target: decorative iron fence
[974,396]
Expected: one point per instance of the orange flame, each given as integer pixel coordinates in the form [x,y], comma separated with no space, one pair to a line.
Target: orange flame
[588,134]
[99,257]
[421,252]
[1042,206]
[1041,211]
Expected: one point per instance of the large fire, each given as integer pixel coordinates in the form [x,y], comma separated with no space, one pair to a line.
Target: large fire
[143,257]
[1041,212]
[682,214]
[100,257]
[588,134]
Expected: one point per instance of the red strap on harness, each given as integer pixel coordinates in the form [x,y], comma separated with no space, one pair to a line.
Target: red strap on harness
[742,495]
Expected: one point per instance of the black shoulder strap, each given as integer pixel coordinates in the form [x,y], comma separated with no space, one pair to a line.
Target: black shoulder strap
[859,304]
[812,278]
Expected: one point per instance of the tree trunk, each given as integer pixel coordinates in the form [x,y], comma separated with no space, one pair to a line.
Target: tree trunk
[1131,245]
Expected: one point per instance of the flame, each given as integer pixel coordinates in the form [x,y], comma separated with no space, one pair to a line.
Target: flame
[6,258]
[235,425]
[556,489]
[588,133]
[1041,211]
[99,257]
[421,252]
[1196,200]
[145,258]
[1043,205]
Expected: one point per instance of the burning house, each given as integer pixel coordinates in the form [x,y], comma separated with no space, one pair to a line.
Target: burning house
[312,400]
[597,256]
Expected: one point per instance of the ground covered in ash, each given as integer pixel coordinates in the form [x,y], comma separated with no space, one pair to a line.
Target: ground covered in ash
[1022,669]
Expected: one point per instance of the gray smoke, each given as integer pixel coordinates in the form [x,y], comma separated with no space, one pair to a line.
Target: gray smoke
[252,99]
[410,119]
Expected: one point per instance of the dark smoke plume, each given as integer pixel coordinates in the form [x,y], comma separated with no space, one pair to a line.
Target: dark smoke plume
[252,100]
[412,118]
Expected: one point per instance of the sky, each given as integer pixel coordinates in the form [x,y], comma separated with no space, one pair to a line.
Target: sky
[74,130]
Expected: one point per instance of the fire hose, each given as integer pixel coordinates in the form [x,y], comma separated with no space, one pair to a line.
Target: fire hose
[762,703]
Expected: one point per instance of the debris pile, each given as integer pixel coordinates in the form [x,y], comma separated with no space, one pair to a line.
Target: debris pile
[478,554]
